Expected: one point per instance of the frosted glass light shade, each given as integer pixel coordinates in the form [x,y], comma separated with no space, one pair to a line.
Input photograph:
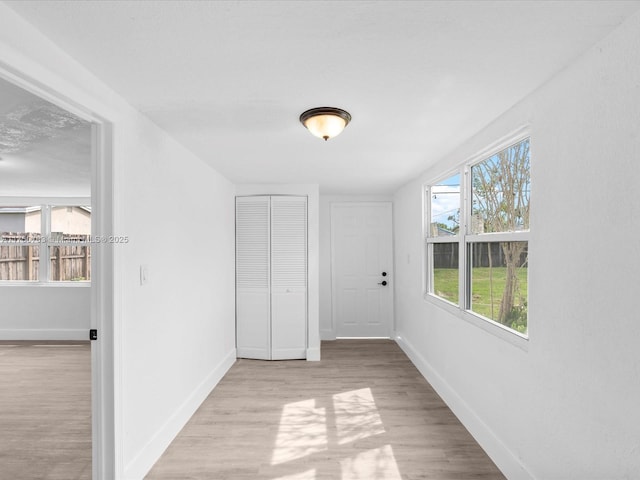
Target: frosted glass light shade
[325,122]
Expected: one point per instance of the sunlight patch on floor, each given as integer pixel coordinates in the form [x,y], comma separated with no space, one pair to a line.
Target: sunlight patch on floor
[308,475]
[375,464]
[357,416]
[302,432]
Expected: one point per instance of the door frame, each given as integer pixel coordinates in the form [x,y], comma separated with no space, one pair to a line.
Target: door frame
[334,328]
[102,268]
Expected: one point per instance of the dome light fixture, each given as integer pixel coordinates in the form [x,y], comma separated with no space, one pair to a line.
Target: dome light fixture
[325,122]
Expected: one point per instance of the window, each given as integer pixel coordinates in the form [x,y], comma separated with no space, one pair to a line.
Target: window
[480,264]
[443,238]
[45,243]
[20,233]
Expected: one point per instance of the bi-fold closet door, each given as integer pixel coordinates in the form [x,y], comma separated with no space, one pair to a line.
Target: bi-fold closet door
[271,277]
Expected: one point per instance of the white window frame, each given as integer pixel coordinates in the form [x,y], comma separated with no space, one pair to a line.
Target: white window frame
[429,240]
[464,238]
[44,269]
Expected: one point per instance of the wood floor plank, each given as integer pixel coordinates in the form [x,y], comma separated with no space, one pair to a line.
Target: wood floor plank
[45,411]
[362,413]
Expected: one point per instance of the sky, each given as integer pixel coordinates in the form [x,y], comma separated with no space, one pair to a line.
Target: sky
[445,200]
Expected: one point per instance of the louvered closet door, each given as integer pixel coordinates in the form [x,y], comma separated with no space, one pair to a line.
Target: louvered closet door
[252,278]
[288,277]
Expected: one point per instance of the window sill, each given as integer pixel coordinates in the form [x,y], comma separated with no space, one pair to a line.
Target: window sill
[508,335]
[35,284]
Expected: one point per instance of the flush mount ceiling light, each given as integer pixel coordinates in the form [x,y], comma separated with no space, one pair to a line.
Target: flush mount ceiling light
[325,122]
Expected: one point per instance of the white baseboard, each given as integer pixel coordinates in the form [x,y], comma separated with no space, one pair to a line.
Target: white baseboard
[327,335]
[153,450]
[39,334]
[507,462]
[313,354]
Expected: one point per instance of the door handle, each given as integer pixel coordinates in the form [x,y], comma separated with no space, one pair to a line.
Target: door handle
[383,283]
[384,274]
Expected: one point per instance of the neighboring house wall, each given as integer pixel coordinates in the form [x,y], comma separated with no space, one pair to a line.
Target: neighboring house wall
[174,336]
[33,221]
[327,329]
[12,222]
[70,220]
[63,219]
[565,406]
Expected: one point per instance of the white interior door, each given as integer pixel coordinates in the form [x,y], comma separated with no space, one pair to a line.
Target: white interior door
[271,277]
[253,299]
[361,260]
[288,277]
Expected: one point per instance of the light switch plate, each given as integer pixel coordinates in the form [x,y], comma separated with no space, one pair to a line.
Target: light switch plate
[144,274]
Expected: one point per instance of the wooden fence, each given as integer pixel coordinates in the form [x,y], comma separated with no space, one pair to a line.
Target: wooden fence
[70,262]
[445,255]
[66,262]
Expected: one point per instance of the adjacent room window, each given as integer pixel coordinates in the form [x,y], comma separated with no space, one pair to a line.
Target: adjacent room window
[69,250]
[44,243]
[20,234]
[481,263]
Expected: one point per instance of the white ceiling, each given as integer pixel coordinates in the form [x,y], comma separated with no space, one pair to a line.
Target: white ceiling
[229,79]
[44,150]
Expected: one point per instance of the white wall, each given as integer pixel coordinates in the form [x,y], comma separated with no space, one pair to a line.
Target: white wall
[51,312]
[327,328]
[313,222]
[178,330]
[566,405]
[174,337]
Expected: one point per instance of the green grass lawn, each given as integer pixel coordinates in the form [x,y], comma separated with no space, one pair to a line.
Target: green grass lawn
[445,283]
[482,301]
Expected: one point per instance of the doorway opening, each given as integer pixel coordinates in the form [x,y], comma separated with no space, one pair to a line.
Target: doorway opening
[55,184]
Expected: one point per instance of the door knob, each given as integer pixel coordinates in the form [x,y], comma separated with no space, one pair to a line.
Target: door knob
[383,283]
[384,274]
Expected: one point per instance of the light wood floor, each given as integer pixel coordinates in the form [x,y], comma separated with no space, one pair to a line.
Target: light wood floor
[363,412]
[45,411]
